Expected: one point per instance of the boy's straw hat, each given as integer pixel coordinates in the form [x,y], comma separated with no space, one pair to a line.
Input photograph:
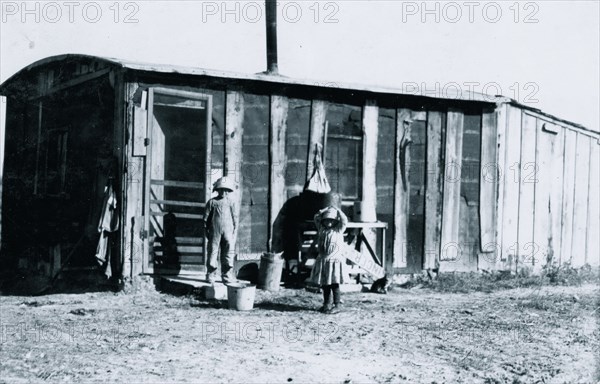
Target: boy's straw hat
[224,183]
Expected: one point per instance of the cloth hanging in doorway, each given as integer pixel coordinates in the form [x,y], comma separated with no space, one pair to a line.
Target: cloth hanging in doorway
[109,223]
[318,181]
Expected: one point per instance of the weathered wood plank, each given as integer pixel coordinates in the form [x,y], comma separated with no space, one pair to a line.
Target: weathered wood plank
[178,203]
[180,184]
[528,250]
[318,115]
[178,215]
[502,125]
[580,207]
[234,130]
[512,175]
[368,209]
[568,196]
[140,129]
[401,188]
[593,228]
[434,193]
[556,168]
[277,159]
[488,182]
[370,126]
[450,246]
[542,220]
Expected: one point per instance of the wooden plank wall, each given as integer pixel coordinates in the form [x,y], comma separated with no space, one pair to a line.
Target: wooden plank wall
[570,149]
[386,141]
[277,158]
[318,116]
[511,186]
[401,187]
[434,184]
[529,177]
[488,191]
[546,151]
[502,125]
[593,227]
[450,250]
[580,207]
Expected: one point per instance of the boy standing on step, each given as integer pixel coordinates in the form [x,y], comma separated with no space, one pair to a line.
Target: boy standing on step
[221,224]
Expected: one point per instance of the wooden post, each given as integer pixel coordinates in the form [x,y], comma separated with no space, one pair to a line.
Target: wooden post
[527,181]
[277,159]
[434,192]
[369,172]
[580,207]
[401,188]
[488,183]
[450,247]
[318,116]
[135,247]
[234,129]
[368,203]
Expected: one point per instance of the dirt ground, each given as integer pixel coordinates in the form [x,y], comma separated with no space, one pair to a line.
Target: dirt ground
[526,335]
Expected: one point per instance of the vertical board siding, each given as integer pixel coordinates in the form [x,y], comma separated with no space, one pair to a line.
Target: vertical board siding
[529,178]
[370,128]
[488,182]
[416,169]
[502,127]
[488,191]
[544,215]
[568,196]
[556,171]
[318,115]
[134,192]
[277,159]
[370,120]
[386,141]
[452,176]
[234,130]
[512,175]
[593,228]
[401,188]
[434,189]
[580,207]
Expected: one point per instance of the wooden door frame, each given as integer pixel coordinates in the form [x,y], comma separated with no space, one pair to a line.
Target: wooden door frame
[147,268]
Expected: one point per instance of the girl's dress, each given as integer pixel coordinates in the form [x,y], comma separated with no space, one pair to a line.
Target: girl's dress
[330,264]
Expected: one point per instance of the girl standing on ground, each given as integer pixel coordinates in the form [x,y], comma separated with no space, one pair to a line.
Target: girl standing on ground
[328,271]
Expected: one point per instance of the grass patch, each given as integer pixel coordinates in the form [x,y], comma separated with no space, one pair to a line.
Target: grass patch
[457,282]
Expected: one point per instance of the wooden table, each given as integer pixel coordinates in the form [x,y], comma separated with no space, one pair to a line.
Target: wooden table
[353,230]
[360,227]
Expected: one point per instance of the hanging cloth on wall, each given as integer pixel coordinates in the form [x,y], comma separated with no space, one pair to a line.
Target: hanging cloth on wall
[318,181]
[109,223]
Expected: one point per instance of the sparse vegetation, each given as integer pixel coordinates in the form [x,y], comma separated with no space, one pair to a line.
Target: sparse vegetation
[455,282]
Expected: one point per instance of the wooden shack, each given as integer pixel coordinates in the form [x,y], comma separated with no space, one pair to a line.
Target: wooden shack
[465,183]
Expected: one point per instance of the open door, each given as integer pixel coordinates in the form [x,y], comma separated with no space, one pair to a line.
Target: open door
[177,168]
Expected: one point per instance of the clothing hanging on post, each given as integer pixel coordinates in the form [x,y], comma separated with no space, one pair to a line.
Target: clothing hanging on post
[109,223]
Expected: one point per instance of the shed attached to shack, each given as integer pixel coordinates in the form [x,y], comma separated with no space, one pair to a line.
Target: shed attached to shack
[464,183]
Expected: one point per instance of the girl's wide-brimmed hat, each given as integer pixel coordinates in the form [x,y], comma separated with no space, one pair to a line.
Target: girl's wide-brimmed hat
[331,213]
[224,183]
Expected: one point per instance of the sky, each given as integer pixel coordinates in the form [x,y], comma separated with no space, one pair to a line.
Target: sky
[545,54]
